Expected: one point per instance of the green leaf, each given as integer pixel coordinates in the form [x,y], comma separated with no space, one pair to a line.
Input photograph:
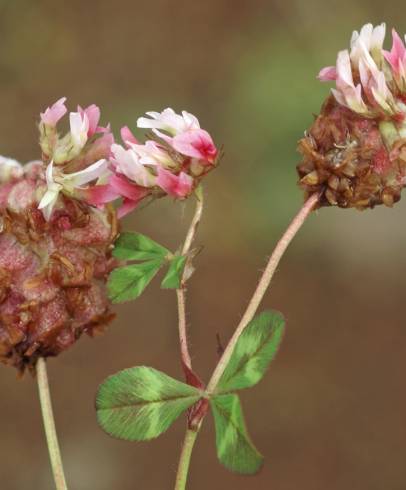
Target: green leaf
[135,246]
[234,447]
[173,277]
[253,352]
[140,403]
[127,283]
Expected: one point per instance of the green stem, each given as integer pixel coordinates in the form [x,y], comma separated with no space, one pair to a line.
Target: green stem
[184,461]
[262,287]
[49,424]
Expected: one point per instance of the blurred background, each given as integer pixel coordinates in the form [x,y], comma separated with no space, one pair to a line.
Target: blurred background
[331,411]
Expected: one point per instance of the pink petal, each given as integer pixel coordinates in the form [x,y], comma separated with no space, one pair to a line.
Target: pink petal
[93,114]
[128,137]
[175,185]
[103,129]
[132,194]
[118,186]
[127,206]
[125,188]
[98,195]
[327,74]
[196,143]
[397,54]
[53,114]
[101,148]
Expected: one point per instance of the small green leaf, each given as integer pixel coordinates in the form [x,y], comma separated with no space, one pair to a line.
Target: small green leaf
[135,246]
[173,277]
[140,403]
[253,352]
[234,447]
[127,283]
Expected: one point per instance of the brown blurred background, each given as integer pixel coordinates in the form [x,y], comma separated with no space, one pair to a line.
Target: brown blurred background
[331,412]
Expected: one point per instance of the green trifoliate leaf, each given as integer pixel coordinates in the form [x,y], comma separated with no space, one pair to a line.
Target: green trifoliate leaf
[173,277]
[234,447]
[127,283]
[135,246]
[253,352]
[140,403]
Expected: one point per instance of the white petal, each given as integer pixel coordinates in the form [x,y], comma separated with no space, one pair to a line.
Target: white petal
[86,175]
[378,36]
[354,37]
[129,164]
[344,73]
[49,174]
[191,121]
[48,197]
[168,112]
[47,203]
[366,33]
[79,126]
[339,97]
[144,122]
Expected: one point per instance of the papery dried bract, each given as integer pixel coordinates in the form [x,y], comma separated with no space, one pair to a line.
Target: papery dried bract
[52,274]
[354,154]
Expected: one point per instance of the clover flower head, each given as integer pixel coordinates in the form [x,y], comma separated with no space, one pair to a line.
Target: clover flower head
[172,163]
[80,139]
[57,225]
[354,154]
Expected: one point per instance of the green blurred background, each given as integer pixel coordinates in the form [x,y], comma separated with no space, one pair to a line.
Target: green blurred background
[331,412]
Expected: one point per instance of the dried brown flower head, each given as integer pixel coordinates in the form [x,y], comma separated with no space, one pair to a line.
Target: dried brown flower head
[52,273]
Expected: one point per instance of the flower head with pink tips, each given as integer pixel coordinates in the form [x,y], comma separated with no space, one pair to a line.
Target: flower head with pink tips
[354,154]
[370,80]
[172,163]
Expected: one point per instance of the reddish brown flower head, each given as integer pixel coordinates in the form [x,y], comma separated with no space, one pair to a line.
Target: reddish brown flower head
[52,273]
[354,154]
[345,159]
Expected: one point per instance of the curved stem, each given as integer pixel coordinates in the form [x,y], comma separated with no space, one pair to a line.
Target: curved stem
[180,293]
[49,424]
[184,461]
[191,233]
[263,284]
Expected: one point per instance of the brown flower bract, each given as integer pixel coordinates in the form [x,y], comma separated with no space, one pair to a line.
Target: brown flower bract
[345,160]
[52,274]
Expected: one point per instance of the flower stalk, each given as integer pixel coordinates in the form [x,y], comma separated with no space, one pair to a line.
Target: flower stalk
[184,461]
[262,287]
[180,293]
[253,305]
[49,425]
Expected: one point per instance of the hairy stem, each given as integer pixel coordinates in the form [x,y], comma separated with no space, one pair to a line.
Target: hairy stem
[184,461]
[190,435]
[184,348]
[263,284]
[49,424]
[259,293]
[180,293]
